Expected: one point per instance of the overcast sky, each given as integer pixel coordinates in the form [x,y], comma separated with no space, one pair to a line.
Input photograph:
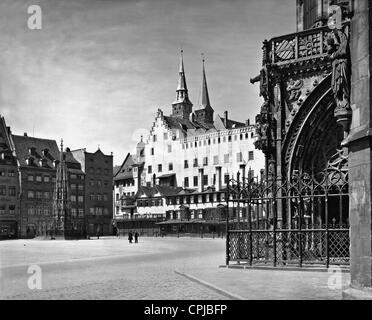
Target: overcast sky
[98,70]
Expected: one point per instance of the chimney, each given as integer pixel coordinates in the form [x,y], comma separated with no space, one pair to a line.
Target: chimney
[225,118]
[247,122]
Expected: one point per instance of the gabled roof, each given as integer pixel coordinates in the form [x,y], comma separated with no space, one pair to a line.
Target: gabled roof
[185,124]
[231,124]
[72,164]
[5,139]
[115,170]
[125,170]
[24,143]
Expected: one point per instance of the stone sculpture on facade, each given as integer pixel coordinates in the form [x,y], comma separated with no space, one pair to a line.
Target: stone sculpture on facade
[339,53]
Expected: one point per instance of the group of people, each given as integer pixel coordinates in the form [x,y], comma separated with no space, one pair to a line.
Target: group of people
[130,237]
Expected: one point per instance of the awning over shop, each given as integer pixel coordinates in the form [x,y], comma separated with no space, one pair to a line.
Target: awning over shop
[165,176]
[168,222]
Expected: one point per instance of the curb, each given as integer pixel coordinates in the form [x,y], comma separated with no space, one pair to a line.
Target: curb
[271,268]
[210,286]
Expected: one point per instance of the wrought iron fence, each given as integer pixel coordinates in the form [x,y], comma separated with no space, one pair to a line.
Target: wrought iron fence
[286,247]
[302,220]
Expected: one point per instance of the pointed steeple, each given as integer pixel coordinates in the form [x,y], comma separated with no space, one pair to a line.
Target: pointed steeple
[204,114]
[182,107]
[182,92]
[204,93]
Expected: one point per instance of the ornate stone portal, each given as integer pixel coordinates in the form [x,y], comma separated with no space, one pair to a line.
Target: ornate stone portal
[306,114]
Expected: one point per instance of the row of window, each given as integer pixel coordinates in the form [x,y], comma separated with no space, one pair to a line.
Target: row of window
[98,171]
[150,203]
[165,137]
[46,178]
[79,199]
[77,186]
[31,194]
[239,158]
[241,137]
[39,211]
[217,140]
[205,142]
[128,194]
[186,183]
[9,173]
[11,209]
[77,212]
[98,183]
[47,195]
[127,183]
[98,197]
[191,199]
[152,150]
[98,211]
[77,176]
[10,191]
[40,178]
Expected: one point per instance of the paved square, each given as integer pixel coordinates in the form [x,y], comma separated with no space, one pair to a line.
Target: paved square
[112,268]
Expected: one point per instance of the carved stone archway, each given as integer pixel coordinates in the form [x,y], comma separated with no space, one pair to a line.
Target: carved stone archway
[314,136]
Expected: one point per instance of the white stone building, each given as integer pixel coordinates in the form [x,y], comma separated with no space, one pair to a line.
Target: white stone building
[192,150]
[189,157]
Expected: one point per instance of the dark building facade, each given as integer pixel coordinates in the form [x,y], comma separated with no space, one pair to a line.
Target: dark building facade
[37,159]
[98,169]
[10,223]
[77,194]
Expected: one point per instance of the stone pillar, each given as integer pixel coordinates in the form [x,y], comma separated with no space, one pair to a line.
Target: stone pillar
[359,143]
[201,178]
[279,128]
[242,173]
[218,178]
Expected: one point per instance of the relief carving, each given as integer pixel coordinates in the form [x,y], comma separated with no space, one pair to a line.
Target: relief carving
[294,89]
[339,53]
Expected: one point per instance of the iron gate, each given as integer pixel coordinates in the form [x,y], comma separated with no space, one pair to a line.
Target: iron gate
[301,220]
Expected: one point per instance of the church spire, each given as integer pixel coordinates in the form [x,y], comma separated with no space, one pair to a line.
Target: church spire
[204,94]
[205,112]
[182,107]
[182,92]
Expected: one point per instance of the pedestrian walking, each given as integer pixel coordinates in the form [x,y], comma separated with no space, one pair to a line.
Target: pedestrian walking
[136,237]
[98,232]
[130,236]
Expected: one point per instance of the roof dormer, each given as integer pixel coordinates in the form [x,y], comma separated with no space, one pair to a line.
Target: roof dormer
[30,161]
[31,151]
[43,163]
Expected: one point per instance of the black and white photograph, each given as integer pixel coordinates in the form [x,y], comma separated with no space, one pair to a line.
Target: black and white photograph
[199,151]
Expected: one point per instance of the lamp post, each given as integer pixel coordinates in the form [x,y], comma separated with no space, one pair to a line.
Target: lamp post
[227,224]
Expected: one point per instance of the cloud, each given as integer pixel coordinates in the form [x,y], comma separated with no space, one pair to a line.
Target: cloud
[99,69]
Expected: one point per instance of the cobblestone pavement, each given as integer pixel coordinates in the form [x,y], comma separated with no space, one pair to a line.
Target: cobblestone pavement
[113,269]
